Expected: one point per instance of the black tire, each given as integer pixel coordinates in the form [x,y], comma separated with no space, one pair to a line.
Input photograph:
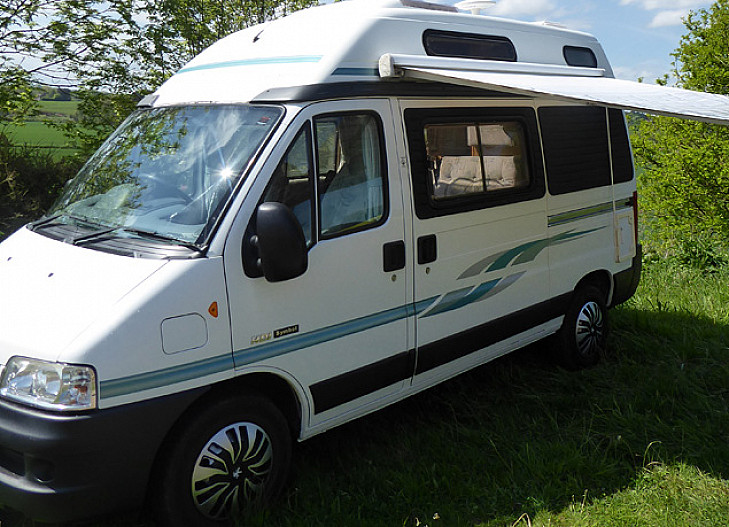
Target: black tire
[583,336]
[224,459]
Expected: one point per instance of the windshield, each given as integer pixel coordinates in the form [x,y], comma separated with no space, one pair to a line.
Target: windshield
[168,171]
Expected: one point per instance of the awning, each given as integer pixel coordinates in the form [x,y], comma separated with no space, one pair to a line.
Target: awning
[562,83]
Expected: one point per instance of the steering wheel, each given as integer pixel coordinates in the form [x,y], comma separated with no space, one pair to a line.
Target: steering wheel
[167,187]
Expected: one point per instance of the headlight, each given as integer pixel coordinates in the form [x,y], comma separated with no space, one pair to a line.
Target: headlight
[49,385]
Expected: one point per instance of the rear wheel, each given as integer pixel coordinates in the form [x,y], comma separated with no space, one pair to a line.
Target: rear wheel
[227,458]
[583,335]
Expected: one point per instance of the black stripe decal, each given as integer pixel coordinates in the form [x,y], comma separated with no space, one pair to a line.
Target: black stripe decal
[358,383]
[457,346]
[349,386]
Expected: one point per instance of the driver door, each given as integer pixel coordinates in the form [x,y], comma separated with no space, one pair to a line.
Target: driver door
[339,331]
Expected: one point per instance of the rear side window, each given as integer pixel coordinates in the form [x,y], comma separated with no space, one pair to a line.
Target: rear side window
[469,159]
[465,159]
[576,150]
[468,46]
[578,56]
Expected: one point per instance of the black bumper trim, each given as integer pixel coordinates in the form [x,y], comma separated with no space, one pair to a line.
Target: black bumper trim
[626,282]
[57,468]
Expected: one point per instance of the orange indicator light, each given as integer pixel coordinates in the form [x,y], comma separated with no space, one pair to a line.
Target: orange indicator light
[213,309]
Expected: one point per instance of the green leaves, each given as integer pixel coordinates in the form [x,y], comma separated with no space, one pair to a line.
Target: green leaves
[684,182]
[113,51]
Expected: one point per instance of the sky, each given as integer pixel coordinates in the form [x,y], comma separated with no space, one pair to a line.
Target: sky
[638,35]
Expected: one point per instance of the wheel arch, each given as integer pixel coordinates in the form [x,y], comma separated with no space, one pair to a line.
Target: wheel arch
[601,279]
[284,392]
[274,385]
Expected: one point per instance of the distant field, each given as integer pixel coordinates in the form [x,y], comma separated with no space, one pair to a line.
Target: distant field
[67,108]
[34,134]
[37,133]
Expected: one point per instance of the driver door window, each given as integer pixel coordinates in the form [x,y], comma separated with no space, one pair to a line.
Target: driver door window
[346,154]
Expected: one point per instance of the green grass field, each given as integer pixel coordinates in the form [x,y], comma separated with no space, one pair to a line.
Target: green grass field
[61,108]
[37,133]
[639,440]
[34,133]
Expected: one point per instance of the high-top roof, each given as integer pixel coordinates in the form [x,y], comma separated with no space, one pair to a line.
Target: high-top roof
[343,42]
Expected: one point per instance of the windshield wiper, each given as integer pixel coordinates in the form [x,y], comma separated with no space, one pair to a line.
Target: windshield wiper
[161,237]
[94,236]
[115,232]
[45,222]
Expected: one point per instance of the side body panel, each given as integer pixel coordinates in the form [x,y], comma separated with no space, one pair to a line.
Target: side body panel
[590,196]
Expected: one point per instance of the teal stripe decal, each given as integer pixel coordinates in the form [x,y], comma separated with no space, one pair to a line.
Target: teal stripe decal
[357,72]
[429,307]
[296,59]
[319,336]
[471,295]
[524,253]
[165,377]
[223,363]
[460,298]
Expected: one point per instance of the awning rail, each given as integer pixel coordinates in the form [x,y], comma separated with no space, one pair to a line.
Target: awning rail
[563,83]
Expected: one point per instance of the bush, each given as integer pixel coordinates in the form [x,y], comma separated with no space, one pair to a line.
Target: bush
[702,250]
[30,180]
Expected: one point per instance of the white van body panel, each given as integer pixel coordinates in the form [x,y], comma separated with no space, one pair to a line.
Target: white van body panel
[130,349]
[64,307]
[53,292]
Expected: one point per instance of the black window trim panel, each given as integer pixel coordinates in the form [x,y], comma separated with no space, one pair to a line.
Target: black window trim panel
[599,155]
[622,154]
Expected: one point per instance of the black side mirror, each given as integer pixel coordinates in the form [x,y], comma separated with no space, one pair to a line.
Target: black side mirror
[282,253]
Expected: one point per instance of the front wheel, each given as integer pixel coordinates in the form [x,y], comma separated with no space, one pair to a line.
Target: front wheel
[583,335]
[227,457]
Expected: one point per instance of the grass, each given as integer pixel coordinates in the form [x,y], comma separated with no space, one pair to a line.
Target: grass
[34,133]
[37,133]
[58,108]
[639,440]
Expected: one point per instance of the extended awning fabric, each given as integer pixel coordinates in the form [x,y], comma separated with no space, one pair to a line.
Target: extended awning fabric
[601,91]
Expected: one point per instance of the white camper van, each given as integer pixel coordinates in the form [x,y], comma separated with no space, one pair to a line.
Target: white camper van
[315,218]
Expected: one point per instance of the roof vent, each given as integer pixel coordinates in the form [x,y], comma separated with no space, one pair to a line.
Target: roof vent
[474,6]
[428,5]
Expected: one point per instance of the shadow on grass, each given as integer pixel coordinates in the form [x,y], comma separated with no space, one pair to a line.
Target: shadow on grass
[520,435]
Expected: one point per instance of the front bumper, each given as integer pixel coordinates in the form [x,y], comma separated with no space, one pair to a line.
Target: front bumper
[56,467]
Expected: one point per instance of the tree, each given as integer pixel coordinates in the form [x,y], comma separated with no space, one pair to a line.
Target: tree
[141,44]
[112,51]
[685,180]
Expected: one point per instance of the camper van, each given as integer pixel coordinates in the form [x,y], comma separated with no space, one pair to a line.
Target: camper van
[313,219]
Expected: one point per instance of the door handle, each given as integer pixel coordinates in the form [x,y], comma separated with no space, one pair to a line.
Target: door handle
[427,249]
[393,256]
